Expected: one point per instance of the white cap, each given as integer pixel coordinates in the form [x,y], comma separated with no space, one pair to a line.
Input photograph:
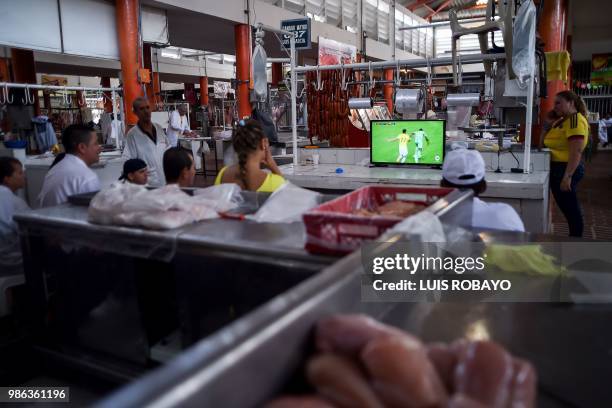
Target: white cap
[463,167]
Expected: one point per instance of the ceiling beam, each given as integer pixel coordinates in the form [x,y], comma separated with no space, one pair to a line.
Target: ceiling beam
[418,4]
[439,9]
[428,8]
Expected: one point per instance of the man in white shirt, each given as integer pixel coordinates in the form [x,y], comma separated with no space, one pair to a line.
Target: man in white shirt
[463,169]
[178,125]
[12,178]
[72,175]
[147,141]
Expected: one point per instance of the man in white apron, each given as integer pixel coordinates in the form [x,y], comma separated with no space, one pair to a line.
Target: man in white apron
[147,141]
[179,125]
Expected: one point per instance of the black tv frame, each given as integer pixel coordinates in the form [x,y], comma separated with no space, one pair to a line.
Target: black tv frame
[410,164]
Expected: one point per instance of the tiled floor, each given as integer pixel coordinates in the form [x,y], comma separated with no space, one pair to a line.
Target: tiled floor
[595,193]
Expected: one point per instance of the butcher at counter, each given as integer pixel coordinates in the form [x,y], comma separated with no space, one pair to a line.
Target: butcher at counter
[147,141]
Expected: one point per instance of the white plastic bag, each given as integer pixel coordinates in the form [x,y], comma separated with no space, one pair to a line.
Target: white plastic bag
[259,72]
[109,202]
[523,43]
[424,224]
[287,204]
[163,208]
[222,197]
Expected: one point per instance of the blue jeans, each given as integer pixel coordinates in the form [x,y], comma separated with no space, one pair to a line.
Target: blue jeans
[568,200]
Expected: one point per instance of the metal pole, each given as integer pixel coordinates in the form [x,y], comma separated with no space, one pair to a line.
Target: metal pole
[115,117]
[287,60]
[528,125]
[293,101]
[392,28]
[411,63]
[55,87]
[443,23]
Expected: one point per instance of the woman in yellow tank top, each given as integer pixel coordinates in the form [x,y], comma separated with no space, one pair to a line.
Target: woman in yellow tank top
[253,150]
[567,139]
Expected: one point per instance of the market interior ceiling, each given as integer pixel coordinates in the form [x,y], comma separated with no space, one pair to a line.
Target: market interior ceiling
[189,29]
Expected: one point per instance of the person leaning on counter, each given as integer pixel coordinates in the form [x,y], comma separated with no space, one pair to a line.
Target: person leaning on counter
[70,173]
[567,138]
[147,141]
[253,150]
[179,125]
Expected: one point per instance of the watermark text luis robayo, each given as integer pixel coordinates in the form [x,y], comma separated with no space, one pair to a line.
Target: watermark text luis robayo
[403,264]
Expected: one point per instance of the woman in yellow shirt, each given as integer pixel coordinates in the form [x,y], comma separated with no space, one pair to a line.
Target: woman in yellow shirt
[253,151]
[567,139]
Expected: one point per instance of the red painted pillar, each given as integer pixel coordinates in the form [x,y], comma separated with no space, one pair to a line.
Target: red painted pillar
[105,82]
[553,30]
[388,89]
[24,72]
[243,68]
[277,73]
[127,35]
[203,91]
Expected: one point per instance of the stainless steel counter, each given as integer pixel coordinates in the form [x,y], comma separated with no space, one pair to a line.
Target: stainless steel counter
[569,345]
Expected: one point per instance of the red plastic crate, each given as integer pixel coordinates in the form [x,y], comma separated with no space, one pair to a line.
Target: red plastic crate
[332,229]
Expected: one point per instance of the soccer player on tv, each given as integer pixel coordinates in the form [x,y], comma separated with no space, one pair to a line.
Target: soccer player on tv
[419,137]
[403,138]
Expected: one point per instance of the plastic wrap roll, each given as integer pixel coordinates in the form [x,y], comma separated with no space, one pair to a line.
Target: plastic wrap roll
[463,99]
[360,103]
[409,100]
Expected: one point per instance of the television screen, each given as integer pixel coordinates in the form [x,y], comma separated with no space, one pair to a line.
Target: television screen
[407,142]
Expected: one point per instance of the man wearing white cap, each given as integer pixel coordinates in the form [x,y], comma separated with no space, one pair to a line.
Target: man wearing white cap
[464,168]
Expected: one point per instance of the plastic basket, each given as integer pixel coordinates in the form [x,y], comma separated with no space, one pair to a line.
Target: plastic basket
[332,229]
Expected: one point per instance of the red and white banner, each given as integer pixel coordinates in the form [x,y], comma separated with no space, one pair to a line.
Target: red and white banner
[334,53]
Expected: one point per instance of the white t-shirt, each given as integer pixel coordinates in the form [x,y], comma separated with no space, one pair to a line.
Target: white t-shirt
[177,125]
[69,177]
[10,248]
[499,216]
[139,146]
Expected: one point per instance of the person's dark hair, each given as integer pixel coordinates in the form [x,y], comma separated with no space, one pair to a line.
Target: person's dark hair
[479,187]
[245,140]
[74,135]
[8,165]
[403,130]
[175,160]
[138,101]
[420,130]
[131,166]
[571,96]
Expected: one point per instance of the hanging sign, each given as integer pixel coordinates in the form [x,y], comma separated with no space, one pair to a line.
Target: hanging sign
[221,89]
[300,26]
[335,53]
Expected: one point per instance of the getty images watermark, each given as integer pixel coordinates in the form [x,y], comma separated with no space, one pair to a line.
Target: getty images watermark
[478,272]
